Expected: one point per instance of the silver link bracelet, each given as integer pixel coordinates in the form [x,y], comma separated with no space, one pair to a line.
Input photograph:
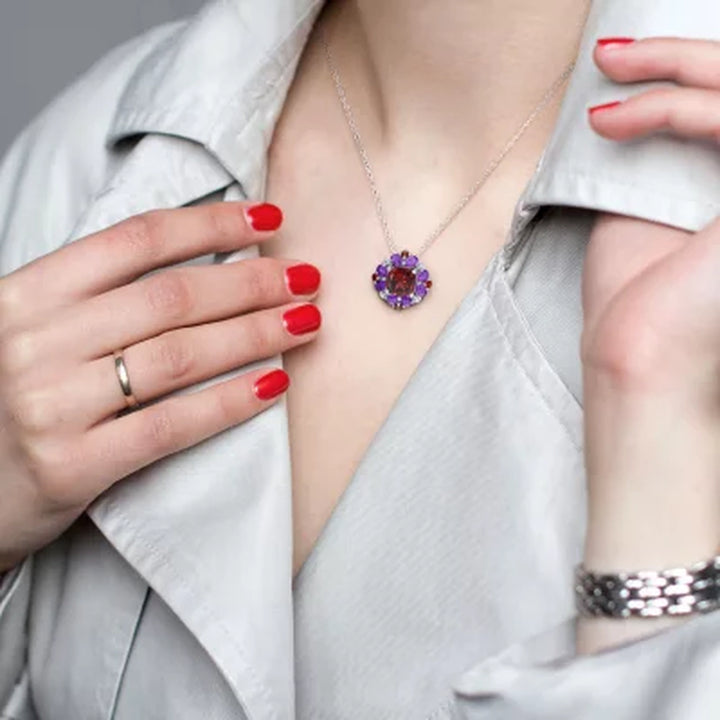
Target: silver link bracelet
[649,593]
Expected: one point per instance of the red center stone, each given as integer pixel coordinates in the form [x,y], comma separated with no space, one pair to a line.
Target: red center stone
[401,281]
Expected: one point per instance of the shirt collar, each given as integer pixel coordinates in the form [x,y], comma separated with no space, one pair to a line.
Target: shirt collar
[222,77]
[221,80]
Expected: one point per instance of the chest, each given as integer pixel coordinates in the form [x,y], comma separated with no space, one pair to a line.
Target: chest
[345,383]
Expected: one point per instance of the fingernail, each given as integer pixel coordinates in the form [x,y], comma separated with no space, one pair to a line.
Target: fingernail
[610,42]
[264,217]
[605,106]
[302,319]
[302,279]
[271,385]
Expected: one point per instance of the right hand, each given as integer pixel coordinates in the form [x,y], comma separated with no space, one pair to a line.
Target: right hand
[63,436]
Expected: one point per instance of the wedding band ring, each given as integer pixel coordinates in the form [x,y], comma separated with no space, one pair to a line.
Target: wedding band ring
[124,379]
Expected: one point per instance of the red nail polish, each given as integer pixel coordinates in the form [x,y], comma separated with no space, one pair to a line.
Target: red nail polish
[302,319]
[303,279]
[605,106]
[604,42]
[264,217]
[271,385]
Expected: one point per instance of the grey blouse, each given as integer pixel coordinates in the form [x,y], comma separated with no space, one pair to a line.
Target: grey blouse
[442,585]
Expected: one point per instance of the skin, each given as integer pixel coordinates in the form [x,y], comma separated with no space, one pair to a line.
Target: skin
[404,110]
[650,349]
[62,443]
[637,372]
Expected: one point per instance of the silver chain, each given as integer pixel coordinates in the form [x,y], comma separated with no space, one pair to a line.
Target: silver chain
[470,194]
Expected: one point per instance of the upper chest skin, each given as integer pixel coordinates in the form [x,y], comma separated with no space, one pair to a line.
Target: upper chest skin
[344,384]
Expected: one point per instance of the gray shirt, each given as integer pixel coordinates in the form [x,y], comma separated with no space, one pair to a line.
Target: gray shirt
[442,585]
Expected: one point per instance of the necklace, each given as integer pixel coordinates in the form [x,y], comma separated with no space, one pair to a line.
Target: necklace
[401,280]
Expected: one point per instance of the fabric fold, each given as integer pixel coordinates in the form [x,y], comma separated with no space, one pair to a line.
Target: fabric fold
[670,675]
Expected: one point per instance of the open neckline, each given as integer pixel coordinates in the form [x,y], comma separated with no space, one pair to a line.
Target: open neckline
[465,306]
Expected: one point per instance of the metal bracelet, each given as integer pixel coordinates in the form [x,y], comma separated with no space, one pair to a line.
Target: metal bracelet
[649,593]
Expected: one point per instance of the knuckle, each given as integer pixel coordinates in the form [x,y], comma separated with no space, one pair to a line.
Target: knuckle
[143,234]
[224,225]
[230,405]
[11,300]
[17,353]
[53,471]
[174,356]
[168,294]
[674,118]
[660,96]
[683,68]
[258,337]
[160,433]
[257,281]
[31,411]
[622,352]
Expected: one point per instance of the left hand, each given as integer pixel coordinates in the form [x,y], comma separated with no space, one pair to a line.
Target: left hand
[652,299]
[651,347]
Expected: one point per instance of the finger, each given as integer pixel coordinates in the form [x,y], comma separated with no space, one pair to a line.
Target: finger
[178,297]
[176,359]
[115,449]
[685,112]
[694,63]
[123,252]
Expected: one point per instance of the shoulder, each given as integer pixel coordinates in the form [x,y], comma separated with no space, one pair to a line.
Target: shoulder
[56,165]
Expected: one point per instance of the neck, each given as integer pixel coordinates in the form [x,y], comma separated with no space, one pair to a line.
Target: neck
[429,65]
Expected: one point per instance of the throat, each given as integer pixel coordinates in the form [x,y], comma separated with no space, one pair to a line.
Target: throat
[346,382]
[446,74]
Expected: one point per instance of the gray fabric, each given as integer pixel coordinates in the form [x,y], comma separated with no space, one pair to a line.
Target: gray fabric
[188,679]
[14,603]
[555,323]
[44,44]
[411,605]
[392,604]
[671,675]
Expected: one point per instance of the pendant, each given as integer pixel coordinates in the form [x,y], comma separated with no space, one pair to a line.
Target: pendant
[401,281]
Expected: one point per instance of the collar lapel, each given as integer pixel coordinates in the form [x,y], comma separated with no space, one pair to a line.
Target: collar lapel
[210,528]
[221,80]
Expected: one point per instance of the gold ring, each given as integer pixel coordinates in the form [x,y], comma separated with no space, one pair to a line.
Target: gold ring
[124,379]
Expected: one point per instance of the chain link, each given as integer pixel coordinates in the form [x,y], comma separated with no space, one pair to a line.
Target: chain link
[649,593]
[470,194]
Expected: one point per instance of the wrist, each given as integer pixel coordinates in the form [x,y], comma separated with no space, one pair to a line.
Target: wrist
[653,462]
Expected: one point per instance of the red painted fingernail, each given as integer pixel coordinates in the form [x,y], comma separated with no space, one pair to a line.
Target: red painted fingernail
[302,319]
[302,279]
[605,106]
[609,41]
[271,385]
[264,217]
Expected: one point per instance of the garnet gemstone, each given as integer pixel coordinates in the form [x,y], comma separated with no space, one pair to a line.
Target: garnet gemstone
[401,281]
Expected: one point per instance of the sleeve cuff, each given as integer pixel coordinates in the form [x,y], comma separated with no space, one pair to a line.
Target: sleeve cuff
[14,603]
[670,674]
[9,580]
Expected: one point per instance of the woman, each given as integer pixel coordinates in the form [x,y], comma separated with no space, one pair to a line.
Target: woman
[148,550]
